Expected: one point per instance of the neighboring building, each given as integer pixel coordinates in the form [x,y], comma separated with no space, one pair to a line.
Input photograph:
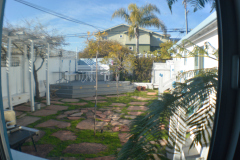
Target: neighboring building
[148,40]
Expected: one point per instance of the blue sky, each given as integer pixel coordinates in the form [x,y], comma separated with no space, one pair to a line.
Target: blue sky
[97,13]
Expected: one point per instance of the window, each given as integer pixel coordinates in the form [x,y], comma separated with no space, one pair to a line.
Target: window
[225,135]
[105,38]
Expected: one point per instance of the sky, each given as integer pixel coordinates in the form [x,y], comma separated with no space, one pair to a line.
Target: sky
[97,13]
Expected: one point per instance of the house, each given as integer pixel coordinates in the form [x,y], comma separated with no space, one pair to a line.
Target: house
[204,36]
[148,40]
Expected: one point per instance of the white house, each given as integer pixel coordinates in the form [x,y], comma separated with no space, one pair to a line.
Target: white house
[204,36]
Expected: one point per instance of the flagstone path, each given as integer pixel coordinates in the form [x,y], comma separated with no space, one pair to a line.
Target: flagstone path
[68,118]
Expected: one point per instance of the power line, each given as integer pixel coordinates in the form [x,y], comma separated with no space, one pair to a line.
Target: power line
[55,13]
[84,34]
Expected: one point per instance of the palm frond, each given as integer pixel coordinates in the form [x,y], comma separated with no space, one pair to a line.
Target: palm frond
[170,3]
[149,8]
[122,13]
[199,4]
[152,20]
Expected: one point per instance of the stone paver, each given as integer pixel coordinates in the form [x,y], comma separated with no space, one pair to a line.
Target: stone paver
[102,158]
[70,100]
[142,108]
[84,110]
[124,128]
[128,116]
[116,117]
[52,123]
[116,129]
[22,108]
[65,135]
[123,137]
[93,98]
[151,93]
[111,96]
[117,111]
[125,121]
[90,109]
[23,115]
[42,150]
[18,113]
[43,105]
[56,107]
[44,112]
[85,148]
[55,99]
[24,121]
[107,112]
[101,115]
[89,124]
[56,102]
[135,113]
[76,114]
[140,98]
[73,118]
[89,114]
[61,116]
[53,102]
[138,103]
[37,138]
[99,101]
[98,112]
[71,112]
[118,104]
[105,119]
[79,104]
[115,123]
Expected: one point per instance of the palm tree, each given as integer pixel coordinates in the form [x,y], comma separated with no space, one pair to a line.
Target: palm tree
[139,17]
[196,4]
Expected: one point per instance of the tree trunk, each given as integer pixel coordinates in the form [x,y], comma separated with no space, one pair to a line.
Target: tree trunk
[36,82]
[117,82]
[136,32]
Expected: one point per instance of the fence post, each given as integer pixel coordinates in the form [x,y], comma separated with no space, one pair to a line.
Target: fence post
[47,76]
[31,77]
[8,68]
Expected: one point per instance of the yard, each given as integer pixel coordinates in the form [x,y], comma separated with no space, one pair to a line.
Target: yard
[66,126]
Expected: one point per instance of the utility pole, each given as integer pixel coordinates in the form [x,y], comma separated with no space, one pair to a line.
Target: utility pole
[186,12]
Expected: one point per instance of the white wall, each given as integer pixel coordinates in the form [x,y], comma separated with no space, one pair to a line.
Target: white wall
[56,64]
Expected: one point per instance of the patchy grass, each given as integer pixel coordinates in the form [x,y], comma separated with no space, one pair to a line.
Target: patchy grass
[108,138]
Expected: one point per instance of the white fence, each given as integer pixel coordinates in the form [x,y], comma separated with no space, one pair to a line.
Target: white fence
[20,77]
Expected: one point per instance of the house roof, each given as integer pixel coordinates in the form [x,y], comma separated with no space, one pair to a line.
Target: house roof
[209,20]
[146,30]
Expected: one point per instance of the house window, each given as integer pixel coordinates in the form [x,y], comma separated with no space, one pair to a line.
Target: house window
[131,48]
[104,38]
[121,36]
[159,39]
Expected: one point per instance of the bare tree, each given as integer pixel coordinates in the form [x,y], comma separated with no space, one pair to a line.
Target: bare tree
[36,28]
